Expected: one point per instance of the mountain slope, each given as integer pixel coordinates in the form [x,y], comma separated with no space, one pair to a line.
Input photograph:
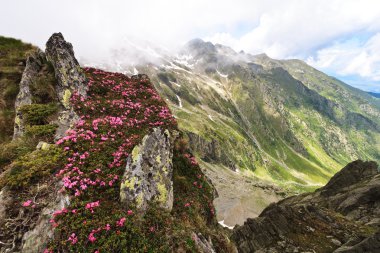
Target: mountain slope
[269,121]
[339,217]
[267,116]
[111,171]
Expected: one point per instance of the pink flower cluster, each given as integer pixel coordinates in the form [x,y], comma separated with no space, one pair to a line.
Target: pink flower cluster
[114,116]
[192,159]
[73,238]
[91,206]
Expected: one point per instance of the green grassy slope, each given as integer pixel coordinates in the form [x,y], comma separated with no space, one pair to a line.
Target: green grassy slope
[283,120]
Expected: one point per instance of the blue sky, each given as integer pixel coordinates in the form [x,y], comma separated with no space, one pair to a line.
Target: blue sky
[341,38]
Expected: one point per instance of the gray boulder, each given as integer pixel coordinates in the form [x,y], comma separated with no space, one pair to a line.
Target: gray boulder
[70,77]
[36,240]
[148,174]
[34,64]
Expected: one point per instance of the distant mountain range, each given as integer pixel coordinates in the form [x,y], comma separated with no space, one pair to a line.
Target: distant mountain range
[376,95]
[279,121]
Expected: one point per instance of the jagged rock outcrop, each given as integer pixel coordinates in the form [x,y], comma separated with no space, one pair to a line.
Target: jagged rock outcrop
[209,151]
[70,77]
[341,216]
[203,245]
[34,64]
[354,192]
[68,72]
[370,244]
[35,240]
[148,174]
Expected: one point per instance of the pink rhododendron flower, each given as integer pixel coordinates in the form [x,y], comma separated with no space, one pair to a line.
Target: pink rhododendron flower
[92,205]
[27,203]
[91,237]
[73,238]
[121,222]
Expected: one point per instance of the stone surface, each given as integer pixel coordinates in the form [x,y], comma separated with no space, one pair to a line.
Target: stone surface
[34,63]
[354,192]
[5,199]
[68,72]
[203,245]
[316,222]
[70,77]
[148,174]
[370,244]
[43,145]
[35,240]
[209,151]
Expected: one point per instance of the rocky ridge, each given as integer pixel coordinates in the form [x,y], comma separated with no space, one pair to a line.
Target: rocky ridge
[340,217]
[145,180]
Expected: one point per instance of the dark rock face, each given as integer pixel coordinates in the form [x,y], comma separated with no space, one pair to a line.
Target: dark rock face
[70,76]
[352,174]
[67,70]
[370,244]
[36,239]
[149,170]
[203,245]
[34,64]
[209,151]
[314,221]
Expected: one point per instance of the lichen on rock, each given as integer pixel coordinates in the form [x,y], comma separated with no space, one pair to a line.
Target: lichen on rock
[146,177]
[70,79]
[67,69]
[33,66]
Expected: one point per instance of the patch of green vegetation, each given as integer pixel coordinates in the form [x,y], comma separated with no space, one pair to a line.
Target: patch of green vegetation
[12,62]
[167,77]
[41,132]
[38,114]
[43,86]
[10,151]
[32,168]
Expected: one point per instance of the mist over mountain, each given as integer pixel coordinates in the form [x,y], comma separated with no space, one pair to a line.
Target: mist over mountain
[281,121]
[158,150]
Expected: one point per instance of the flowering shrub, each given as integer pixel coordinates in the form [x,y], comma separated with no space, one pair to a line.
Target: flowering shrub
[117,113]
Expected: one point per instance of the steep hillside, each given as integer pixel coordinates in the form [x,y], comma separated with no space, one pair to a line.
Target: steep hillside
[12,63]
[342,216]
[111,171]
[282,120]
[269,121]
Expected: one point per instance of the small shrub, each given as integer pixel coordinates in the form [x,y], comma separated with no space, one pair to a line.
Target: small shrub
[12,150]
[41,132]
[37,114]
[42,88]
[32,168]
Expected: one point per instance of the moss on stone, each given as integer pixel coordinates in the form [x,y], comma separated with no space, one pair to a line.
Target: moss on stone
[32,168]
[66,98]
[158,159]
[139,199]
[163,192]
[135,153]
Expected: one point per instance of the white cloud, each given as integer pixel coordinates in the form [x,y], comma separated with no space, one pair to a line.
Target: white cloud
[352,58]
[280,28]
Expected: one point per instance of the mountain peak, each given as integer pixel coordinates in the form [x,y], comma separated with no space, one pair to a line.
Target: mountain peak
[200,47]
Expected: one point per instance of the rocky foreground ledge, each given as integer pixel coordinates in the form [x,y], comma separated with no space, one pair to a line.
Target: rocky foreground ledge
[343,216]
